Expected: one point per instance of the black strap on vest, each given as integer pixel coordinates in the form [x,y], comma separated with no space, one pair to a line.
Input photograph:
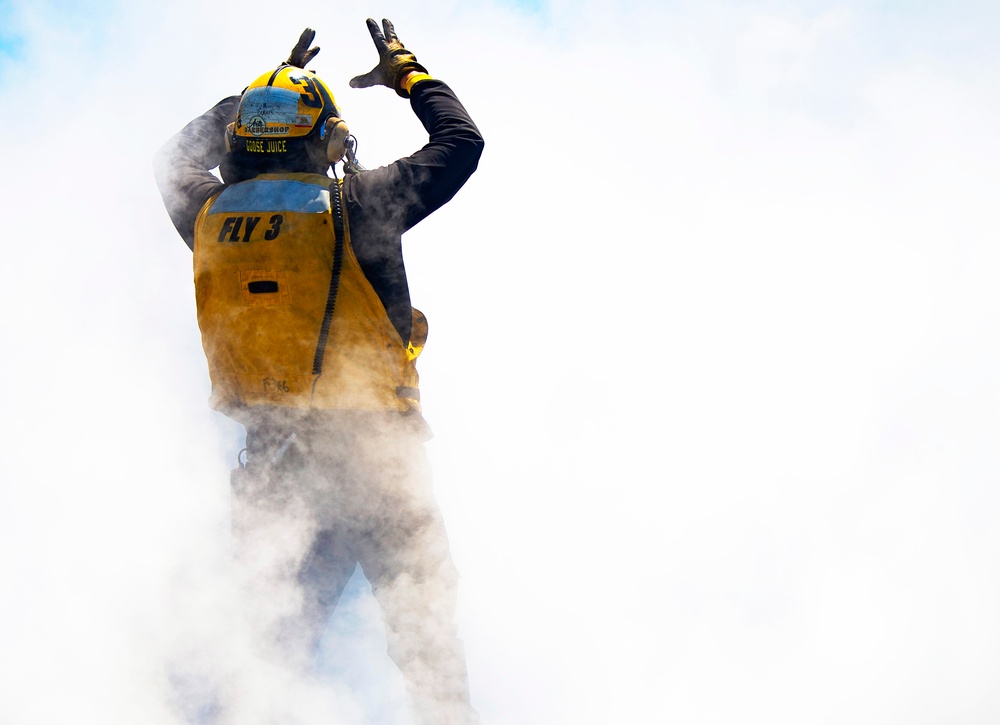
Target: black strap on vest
[338,260]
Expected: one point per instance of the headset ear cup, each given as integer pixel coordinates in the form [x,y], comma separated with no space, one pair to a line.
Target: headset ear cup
[336,142]
[230,130]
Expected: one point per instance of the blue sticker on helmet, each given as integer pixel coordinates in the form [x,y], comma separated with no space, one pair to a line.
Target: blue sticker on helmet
[270,111]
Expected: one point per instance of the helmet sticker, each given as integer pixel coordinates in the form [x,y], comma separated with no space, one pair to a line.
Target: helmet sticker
[271,111]
[287,103]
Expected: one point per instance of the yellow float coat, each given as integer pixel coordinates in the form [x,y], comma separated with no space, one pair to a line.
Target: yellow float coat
[263,262]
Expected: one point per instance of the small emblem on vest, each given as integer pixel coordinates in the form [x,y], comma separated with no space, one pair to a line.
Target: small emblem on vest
[271,385]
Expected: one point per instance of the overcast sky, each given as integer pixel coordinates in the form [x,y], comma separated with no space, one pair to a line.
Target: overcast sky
[713,365]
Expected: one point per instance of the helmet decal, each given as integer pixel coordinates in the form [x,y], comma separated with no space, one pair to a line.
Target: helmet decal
[288,102]
[272,111]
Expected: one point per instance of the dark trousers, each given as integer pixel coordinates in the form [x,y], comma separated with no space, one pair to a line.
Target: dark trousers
[324,492]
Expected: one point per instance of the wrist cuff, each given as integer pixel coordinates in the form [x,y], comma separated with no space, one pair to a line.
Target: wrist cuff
[414,80]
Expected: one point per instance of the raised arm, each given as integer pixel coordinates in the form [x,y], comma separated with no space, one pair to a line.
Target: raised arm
[183,166]
[403,193]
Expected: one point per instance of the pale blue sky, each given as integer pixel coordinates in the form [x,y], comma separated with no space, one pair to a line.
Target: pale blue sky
[10,41]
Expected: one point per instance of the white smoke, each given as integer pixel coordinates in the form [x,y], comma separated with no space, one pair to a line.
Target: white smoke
[712,362]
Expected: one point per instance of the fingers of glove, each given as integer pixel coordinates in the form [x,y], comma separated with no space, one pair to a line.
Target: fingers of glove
[310,54]
[390,32]
[305,40]
[376,34]
[301,54]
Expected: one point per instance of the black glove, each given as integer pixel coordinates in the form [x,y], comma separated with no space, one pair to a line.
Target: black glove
[394,61]
[302,53]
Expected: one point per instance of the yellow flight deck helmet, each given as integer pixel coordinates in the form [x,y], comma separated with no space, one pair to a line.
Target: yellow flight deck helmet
[277,113]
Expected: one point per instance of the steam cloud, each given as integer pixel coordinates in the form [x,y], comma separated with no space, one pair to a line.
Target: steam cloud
[712,366]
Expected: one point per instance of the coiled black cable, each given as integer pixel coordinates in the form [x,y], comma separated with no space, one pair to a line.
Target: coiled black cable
[336,207]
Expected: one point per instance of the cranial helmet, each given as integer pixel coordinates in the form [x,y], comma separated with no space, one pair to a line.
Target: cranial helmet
[279,114]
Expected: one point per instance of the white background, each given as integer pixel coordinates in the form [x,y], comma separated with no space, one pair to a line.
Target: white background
[713,365]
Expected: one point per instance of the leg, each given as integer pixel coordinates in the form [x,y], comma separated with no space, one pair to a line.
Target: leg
[323,576]
[294,566]
[405,555]
[417,594]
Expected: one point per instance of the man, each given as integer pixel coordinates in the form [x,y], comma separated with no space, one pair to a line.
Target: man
[311,342]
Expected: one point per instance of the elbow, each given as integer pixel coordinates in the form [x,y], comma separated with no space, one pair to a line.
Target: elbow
[469,142]
[475,151]
[162,167]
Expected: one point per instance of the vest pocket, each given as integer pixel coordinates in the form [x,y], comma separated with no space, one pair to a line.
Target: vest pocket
[263,288]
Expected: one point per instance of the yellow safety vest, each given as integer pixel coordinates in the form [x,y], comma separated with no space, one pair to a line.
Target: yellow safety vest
[264,257]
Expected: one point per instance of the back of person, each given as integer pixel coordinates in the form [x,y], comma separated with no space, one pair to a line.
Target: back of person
[312,342]
[288,317]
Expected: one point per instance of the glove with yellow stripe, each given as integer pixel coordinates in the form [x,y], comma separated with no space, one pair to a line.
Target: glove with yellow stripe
[394,62]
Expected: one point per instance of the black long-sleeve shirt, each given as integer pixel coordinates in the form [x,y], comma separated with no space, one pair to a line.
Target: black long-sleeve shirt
[381,204]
